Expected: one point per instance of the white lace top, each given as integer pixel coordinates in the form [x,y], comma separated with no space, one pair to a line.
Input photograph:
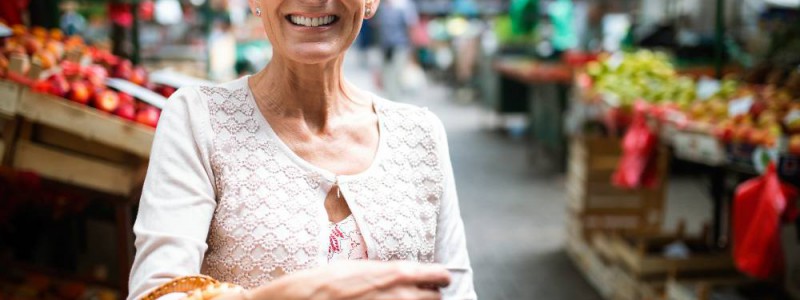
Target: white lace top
[225,197]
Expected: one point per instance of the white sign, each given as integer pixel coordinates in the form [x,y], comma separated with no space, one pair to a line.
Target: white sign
[707,87]
[740,106]
[615,60]
[701,148]
[791,117]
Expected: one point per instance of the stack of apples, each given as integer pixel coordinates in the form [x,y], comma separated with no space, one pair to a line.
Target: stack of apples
[86,85]
[83,84]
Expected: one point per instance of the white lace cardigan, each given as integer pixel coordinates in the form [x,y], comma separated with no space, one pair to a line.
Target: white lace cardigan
[225,197]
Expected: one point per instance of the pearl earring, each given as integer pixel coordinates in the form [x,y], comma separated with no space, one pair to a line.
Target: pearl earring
[258,11]
[369,9]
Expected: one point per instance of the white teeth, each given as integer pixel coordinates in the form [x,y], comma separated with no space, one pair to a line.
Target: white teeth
[312,22]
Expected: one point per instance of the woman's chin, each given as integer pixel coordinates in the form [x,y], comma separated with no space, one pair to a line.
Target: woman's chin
[314,54]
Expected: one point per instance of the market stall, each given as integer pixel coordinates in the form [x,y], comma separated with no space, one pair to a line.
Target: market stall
[743,133]
[77,127]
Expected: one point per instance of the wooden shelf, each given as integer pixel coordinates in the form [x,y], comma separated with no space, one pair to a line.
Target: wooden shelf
[82,171]
[86,122]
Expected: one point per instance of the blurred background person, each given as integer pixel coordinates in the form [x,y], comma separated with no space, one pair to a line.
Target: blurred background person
[72,23]
[395,20]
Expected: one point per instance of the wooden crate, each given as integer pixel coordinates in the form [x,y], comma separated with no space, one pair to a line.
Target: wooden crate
[602,206]
[593,269]
[69,158]
[610,281]
[87,123]
[641,254]
[9,98]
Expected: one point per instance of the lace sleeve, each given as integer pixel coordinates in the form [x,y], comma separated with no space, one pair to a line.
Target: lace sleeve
[178,198]
[451,243]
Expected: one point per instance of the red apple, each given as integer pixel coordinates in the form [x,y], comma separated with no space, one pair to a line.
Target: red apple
[107,101]
[32,45]
[148,115]
[124,70]
[724,131]
[59,85]
[757,108]
[138,76]
[80,92]
[97,91]
[126,110]
[165,90]
[96,75]
[71,70]
[125,98]
[41,86]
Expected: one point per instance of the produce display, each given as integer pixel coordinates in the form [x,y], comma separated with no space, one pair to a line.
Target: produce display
[65,66]
[733,111]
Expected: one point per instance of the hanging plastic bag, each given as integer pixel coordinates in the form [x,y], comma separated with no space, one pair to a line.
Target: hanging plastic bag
[638,166]
[759,207]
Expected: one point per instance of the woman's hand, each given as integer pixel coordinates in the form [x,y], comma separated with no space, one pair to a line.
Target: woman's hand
[357,280]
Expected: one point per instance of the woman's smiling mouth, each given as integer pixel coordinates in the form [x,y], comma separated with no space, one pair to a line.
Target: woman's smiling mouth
[312,21]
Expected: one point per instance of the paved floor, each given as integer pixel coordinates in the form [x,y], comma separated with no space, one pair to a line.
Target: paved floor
[513,216]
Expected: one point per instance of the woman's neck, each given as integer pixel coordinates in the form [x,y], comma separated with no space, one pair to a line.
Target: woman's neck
[314,93]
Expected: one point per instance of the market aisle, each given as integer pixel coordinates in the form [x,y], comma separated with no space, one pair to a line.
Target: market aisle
[514,220]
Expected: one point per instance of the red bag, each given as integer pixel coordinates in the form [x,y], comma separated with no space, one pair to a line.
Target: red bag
[637,167]
[758,207]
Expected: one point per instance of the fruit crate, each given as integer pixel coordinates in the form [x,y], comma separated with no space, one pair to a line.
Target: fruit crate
[66,157]
[642,255]
[85,122]
[79,145]
[592,198]
[608,279]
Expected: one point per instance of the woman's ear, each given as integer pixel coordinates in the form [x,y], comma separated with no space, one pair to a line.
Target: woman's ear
[371,6]
[254,4]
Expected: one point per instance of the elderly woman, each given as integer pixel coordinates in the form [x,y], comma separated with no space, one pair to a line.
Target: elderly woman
[294,184]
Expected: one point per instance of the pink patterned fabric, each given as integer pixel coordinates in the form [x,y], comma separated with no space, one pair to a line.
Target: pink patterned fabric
[346,242]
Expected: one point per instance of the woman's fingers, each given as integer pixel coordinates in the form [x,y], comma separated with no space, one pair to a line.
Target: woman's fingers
[410,273]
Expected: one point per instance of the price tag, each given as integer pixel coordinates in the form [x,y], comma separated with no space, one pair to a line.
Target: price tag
[615,60]
[707,87]
[611,99]
[740,106]
[700,148]
[791,117]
